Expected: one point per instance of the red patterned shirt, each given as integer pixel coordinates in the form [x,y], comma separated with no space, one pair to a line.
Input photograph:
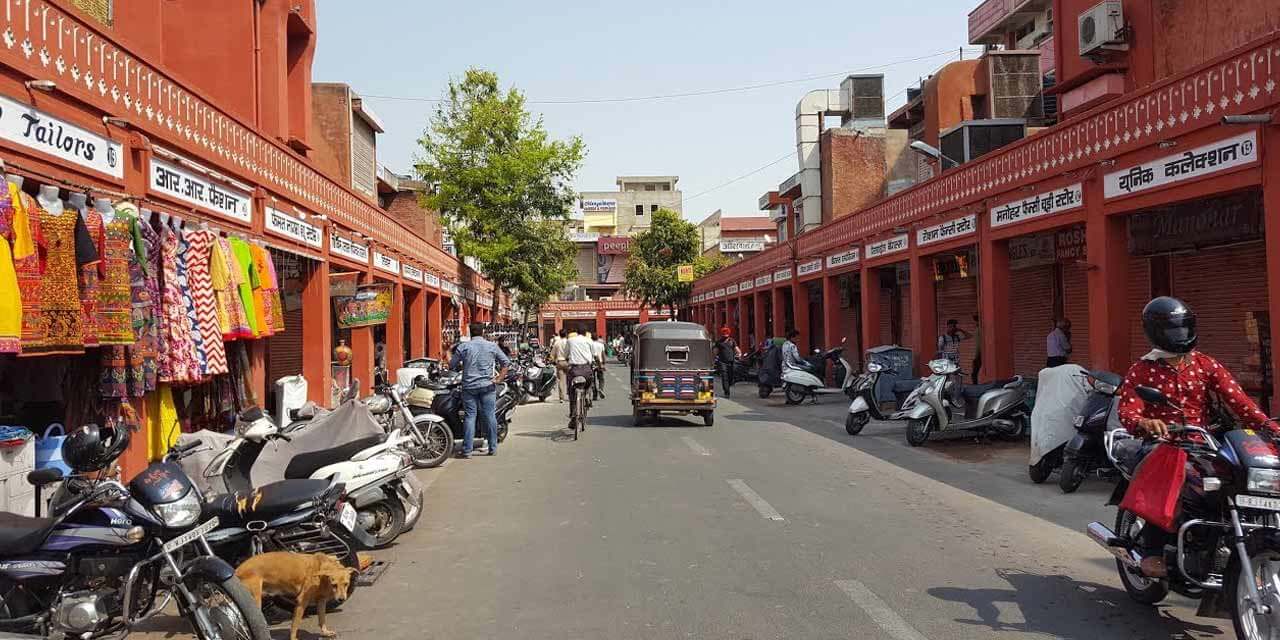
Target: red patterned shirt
[1191,384]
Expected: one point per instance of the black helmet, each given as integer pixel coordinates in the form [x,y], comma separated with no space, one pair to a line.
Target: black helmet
[93,448]
[1170,325]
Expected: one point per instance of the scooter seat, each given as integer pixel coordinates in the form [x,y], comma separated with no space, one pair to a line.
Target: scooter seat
[265,502]
[305,464]
[20,534]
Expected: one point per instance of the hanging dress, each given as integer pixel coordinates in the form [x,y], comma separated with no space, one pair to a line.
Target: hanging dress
[16,246]
[262,296]
[29,270]
[148,307]
[243,258]
[199,249]
[176,348]
[123,366]
[277,298]
[199,364]
[67,248]
[90,276]
[225,275]
[115,304]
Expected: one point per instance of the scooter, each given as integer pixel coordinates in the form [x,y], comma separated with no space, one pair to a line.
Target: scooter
[539,379]
[865,405]
[944,403]
[1086,453]
[807,382]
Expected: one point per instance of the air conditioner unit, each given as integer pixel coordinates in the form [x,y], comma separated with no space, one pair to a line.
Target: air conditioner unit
[1101,27]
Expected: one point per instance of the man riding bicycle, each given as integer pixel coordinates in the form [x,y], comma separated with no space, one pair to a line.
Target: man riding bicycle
[580,358]
[597,353]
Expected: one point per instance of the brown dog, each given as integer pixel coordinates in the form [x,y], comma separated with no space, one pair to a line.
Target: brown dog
[307,578]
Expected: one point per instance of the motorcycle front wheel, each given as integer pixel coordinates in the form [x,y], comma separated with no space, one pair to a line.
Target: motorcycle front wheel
[1073,472]
[435,448]
[918,431]
[795,395]
[224,610]
[1249,624]
[855,422]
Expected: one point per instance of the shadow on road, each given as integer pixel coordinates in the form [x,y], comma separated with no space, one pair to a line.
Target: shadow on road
[554,435]
[663,422]
[1061,607]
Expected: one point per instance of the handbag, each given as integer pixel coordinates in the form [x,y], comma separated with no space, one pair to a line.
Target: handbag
[49,449]
[1157,483]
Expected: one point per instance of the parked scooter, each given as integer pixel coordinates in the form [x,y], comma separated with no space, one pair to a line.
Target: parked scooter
[808,382]
[539,379]
[1086,453]
[1073,407]
[428,442]
[866,405]
[944,403]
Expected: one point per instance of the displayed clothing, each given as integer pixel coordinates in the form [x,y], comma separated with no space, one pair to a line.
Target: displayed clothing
[226,278]
[66,247]
[176,348]
[153,304]
[242,258]
[90,275]
[28,269]
[115,304]
[262,296]
[16,247]
[277,299]
[185,256]
[200,246]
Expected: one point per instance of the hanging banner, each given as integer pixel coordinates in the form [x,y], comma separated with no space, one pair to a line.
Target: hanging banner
[947,230]
[281,223]
[411,273]
[1196,225]
[1236,151]
[842,258]
[887,246]
[370,305]
[782,274]
[191,187]
[343,284]
[386,263]
[1070,244]
[810,267]
[27,127]
[1031,251]
[684,273]
[348,249]
[764,280]
[1047,203]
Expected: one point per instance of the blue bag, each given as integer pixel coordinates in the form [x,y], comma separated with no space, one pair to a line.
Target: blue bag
[49,449]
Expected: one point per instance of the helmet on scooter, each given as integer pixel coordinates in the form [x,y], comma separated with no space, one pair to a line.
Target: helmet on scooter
[93,448]
[1170,325]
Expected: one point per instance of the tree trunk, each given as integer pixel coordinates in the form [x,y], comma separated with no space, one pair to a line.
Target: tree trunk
[497,301]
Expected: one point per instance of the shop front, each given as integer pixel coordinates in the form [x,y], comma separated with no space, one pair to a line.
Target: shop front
[946,286]
[842,307]
[807,292]
[886,292]
[784,318]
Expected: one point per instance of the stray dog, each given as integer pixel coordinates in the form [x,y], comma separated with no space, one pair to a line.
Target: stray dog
[306,578]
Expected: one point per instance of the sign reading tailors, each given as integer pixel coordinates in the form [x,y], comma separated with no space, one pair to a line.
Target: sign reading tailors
[411,272]
[810,267]
[198,188]
[887,246]
[764,280]
[1235,151]
[782,274]
[386,263]
[37,130]
[684,273]
[842,258]
[348,249]
[599,206]
[947,230]
[290,227]
[369,306]
[1047,203]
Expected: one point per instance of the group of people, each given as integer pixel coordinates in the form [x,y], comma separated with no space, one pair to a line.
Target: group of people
[577,354]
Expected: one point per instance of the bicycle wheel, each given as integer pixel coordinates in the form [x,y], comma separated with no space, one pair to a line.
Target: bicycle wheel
[582,415]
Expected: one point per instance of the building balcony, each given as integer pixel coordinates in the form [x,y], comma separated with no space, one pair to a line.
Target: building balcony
[989,23]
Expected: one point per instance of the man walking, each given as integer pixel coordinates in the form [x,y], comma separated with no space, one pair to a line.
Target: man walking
[558,355]
[726,352]
[597,353]
[1058,344]
[483,365]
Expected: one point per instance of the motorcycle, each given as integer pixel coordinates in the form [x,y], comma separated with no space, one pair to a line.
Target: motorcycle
[100,564]
[515,382]
[807,382]
[427,443]
[1085,453]
[865,404]
[447,404]
[624,355]
[944,403]
[1227,544]
[539,379]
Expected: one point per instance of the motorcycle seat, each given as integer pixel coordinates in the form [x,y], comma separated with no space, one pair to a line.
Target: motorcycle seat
[1107,377]
[265,502]
[21,534]
[305,464]
[975,391]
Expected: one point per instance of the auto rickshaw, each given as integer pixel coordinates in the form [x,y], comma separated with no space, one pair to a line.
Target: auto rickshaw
[672,371]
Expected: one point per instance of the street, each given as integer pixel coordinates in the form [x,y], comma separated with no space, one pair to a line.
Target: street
[767,525]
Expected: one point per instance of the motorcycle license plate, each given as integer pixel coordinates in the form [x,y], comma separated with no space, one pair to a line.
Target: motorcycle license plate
[1258,502]
[347,517]
[186,538]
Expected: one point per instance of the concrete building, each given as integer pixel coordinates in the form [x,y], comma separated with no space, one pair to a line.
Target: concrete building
[616,213]
[344,136]
[736,236]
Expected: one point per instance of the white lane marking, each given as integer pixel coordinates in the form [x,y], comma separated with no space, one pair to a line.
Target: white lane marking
[697,448]
[879,611]
[756,501]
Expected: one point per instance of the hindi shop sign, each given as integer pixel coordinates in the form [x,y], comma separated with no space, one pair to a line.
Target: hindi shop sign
[947,230]
[887,246]
[28,127]
[731,289]
[745,285]
[386,263]
[810,267]
[741,246]
[431,280]
[782,274]
[288,226]
[411,273]
[200,190]
[348,249]
[843,258]
[1233,152]
[1047,203]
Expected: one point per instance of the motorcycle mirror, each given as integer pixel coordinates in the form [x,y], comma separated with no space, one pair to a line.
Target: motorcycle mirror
[1152,395]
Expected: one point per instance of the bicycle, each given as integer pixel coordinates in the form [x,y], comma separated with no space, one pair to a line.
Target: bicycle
[581,402]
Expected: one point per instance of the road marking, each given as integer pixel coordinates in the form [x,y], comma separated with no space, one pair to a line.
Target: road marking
[879,611]
[697,448]
[756,501]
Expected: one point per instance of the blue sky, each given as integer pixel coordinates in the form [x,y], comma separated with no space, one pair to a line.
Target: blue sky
[587,50]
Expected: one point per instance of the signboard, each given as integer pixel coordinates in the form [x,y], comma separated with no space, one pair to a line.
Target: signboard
[193,188]
[386,263]
[1197,224]
[1070,244]
[1047,203]
[432,280]
[741,246]
[288,226]
[684,273]
[782,274]
[577,315]
[947,230]
[887,246]
[1236,151]
[599,206]
[764,280]
[1031,251]
[745,285]
[369,306]
[343,284]
[411,273]
[27,127]
[613,245]
[634,313]
[720,292]
[810,267]
[583,236]
[731,289]
[348,249]
[843,258]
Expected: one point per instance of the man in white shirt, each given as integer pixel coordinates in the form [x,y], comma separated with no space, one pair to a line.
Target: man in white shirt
[597,352]
[559,356]
[579,357]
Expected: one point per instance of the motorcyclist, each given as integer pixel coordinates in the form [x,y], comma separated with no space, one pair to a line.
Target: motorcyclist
[791,360]
[1191,380]
[726,352]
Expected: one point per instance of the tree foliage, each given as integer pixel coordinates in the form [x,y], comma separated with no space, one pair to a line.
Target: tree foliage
[501,185]
[656,252]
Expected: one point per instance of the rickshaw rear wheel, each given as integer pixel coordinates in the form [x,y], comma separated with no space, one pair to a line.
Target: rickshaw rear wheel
[709,418]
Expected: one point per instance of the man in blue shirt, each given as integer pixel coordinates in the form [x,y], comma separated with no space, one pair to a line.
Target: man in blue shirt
[483,365]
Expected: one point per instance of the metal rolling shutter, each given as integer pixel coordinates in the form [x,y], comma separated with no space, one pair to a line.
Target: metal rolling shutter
[886,318]
[958,298]
[1222,286]
[1031,305]
[1139,295]
[908,329]
[284,350]
[1075,305]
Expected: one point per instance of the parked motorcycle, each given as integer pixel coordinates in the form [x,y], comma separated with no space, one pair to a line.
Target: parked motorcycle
[1226,549]
[943,402]
[808,382]
[1086,452]
[865,404]
[624,355]
[447,404]
[113,556]
[428,442]
[539,379]
[515,382]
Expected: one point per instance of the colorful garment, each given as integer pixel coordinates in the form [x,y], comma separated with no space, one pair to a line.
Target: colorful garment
[225,276]
[199,254]
[262,297]
[115,304]
[1190,386]
[28,269]
[60,313]
[176,347]
[198,363]
[153,307]
[243,259]
[129,370]
[16,246]
[277,299]
[90,276]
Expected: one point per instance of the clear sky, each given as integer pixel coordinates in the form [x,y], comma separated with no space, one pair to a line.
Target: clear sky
[581,50]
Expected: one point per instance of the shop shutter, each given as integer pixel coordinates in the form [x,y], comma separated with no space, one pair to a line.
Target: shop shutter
[886,318]
[284,350]
[957,298]
[1139,296]
[1075,305]
[1223,286]
[908,329]
[1031,310]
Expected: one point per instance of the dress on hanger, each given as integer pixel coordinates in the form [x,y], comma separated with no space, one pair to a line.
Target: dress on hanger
[277,300]
[115,305]
[90,276]
[200,364]
[16,246]
[28,269]
[226,276]
[148,308]
[244,264]
[199,250]
[176,348]
[67,248]
[262,296]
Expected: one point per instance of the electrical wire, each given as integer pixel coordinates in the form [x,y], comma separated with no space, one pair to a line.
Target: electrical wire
[789,154]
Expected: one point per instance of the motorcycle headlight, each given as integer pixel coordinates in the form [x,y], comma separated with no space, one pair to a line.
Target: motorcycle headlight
[180,513]
[1264,481]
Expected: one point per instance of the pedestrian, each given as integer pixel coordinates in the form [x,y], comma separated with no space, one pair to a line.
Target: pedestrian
[558,356]
[949,342]
[597,353]
[726,352]
[1058,343]
[977,348]
[482,365]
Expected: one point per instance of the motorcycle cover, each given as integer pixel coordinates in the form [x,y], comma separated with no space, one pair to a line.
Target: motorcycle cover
[771,366]
[1061,393]
[1153,493]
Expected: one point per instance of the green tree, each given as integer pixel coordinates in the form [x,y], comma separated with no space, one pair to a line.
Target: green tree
[501,184]
[669,242]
